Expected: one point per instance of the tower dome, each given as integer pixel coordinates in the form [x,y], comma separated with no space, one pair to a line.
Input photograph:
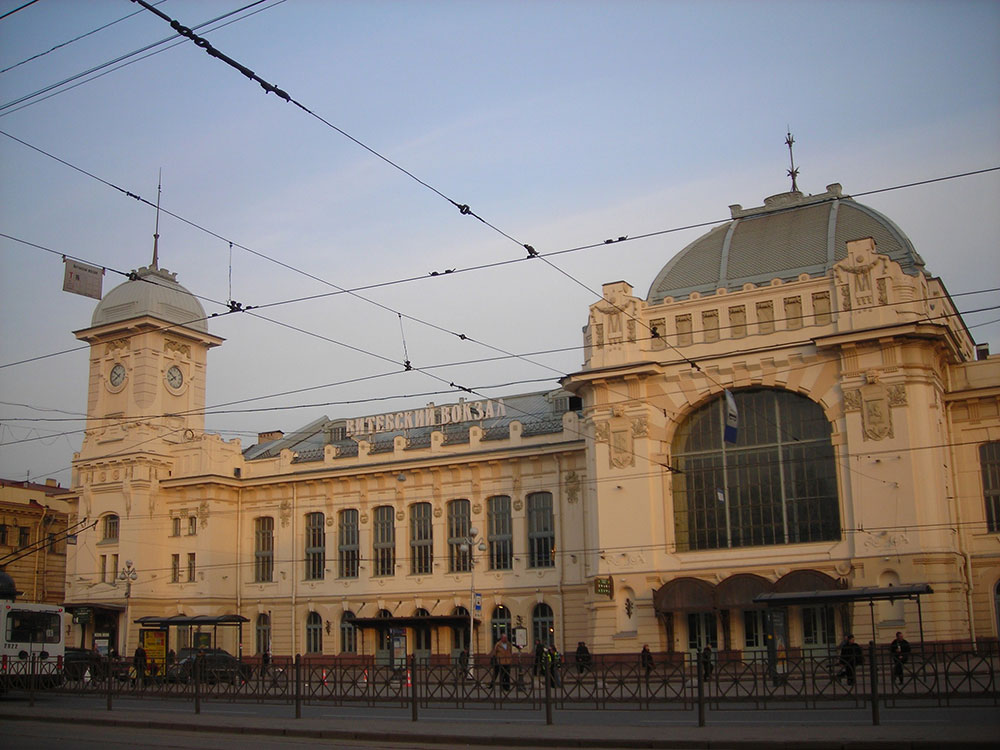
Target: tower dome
[789,235]
[155,292]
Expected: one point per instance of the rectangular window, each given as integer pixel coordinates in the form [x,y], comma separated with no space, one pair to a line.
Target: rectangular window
[384,543]
[192,525]
[793,312]
[175,526]
[738,321]
[499,535]
[23,536]
[710,325]
[114,568]
[459,523]
[3,533]
[765,317]
[191,566]
[817,627]
[263,549]
[421,539]
[684,336]
[541,531]
[175,568]
[104,568]
[347,544]
[315,546]
[989,462]
[821,308]
[753,629]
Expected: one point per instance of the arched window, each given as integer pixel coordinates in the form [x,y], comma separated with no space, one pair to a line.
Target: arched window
[314,633]
[459,524]
[384,633]
[421,539]
[776,485]
[315,546]
[348,634]
[500,623]
[460,633]
[541,531]
[263,549]
[111,526]
[543,625]
[263,631]
[499,532]
[384,542]
[422,632]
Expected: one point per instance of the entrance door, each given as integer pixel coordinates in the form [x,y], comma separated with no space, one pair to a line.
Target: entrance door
[702,631]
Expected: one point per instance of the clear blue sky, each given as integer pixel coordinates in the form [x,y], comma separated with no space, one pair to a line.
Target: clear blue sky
[560,123]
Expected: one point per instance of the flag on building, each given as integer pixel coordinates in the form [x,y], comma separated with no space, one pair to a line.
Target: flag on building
[81,278]
[732,419]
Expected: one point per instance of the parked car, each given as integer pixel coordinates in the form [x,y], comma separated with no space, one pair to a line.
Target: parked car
[83,663]
[216,666]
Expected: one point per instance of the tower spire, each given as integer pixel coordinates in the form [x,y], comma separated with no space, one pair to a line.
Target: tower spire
[156,230]
[793,172]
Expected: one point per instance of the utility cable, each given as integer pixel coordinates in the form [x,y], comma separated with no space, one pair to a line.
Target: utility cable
[75,39]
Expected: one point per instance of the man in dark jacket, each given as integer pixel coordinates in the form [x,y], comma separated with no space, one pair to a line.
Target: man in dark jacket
[851,658]
[582,658]
[900,651]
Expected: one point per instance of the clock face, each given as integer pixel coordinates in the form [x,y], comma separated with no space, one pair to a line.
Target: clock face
[175,378]
[117,376]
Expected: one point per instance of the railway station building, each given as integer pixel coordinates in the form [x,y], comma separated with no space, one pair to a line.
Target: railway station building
[795,405]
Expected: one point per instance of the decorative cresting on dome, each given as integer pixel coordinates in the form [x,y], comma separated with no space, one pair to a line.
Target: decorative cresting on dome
[154,292]
[789,235]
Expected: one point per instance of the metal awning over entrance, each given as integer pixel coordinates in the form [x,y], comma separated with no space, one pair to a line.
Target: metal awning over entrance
[870,594]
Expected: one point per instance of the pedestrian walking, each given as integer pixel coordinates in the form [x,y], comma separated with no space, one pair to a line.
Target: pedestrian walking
[538,668]
[899,649]
[851,658]
[646,660]
[553,661]
[139,663]
[582,658]
[705,661]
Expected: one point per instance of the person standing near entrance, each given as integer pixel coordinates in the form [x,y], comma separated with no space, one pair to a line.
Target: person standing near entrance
[899,649]
[501,657]
[139,664]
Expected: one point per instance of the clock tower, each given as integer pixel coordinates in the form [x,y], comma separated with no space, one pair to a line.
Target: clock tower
[149,343]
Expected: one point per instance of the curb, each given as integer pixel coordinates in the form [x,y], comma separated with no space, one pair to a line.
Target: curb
[539,740]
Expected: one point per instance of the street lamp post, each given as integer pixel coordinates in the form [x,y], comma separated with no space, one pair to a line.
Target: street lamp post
[127,575]
[470,545]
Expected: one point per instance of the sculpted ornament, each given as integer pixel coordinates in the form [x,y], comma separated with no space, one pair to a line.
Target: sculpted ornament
[602,432]
[876,413]
[622,454]
[640,427]
[852,400]
[285,512]
[571,482]
[897,395]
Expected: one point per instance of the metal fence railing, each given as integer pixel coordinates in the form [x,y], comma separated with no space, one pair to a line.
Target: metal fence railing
[938,674]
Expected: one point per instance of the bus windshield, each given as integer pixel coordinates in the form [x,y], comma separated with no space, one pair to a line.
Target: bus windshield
[25,626]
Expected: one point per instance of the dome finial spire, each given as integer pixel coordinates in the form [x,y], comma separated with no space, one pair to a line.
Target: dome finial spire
[156,230]
[793,172]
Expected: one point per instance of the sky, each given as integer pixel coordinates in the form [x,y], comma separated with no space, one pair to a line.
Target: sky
[560,124]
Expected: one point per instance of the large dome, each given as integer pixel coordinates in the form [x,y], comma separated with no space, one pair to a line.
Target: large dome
[154,292]
[789,235]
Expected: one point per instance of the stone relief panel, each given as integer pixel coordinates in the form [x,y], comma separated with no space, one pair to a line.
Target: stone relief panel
[876,412]
[622,453]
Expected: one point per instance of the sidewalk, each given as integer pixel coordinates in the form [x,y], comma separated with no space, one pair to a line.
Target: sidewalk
[564,733]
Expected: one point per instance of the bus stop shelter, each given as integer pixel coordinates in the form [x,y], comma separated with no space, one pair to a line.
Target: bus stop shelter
[870,594]
[198,622]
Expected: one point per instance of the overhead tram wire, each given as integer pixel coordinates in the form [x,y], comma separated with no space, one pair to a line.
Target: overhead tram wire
[15,10]
[75,39]
[60,87]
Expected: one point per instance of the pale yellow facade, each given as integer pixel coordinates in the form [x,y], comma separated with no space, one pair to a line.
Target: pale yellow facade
[871,345]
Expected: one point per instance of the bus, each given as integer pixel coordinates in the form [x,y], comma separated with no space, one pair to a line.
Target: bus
[32,646]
